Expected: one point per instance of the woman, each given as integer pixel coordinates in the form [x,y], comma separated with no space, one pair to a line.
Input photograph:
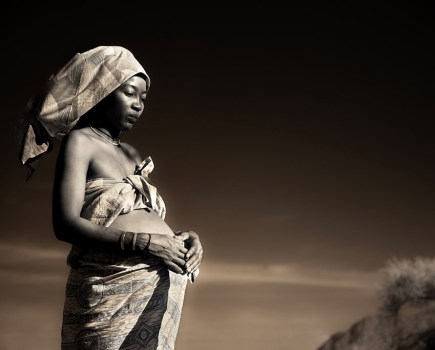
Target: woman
[128,269]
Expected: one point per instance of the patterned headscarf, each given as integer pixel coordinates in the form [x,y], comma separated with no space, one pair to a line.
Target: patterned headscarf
[83,82]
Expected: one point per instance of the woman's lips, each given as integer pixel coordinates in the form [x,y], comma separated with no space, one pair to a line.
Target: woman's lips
[132,118]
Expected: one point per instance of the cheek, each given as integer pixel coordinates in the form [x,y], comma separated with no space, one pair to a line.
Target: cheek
[119,105]
[116,112]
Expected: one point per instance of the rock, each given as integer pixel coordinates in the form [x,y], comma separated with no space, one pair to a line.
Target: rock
[413,328]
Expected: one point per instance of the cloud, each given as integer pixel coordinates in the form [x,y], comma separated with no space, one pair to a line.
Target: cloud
[50,263]
[21,253]
[289,274]
[32,265]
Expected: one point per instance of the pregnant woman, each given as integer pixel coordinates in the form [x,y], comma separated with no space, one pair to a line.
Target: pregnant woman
[128,268]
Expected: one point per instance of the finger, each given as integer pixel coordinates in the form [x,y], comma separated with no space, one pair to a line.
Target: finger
[194,257]
[181,255]
[193,267]
[197,251]
[178,247]
[192,250]
[193,234]
[182,236]
[182,250]
[174,267]
[177,241]
[193,264]
[180,262]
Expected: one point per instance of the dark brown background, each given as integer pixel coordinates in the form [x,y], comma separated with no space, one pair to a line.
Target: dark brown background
[298,142]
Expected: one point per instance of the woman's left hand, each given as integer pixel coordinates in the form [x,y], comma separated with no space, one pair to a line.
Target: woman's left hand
[193,256]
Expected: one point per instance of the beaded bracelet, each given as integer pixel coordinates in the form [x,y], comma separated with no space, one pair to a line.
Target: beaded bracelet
[121,240]
[133,245]
[148,243]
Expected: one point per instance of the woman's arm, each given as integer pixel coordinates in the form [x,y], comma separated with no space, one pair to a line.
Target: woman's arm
[75,156]
[68,196]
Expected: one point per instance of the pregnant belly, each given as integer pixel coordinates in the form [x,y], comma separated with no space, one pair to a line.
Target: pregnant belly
[142,221]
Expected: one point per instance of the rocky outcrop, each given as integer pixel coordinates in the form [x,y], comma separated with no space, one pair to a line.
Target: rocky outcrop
[406,320]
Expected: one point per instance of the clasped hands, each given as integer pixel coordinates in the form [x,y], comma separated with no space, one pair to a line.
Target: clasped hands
[181,253]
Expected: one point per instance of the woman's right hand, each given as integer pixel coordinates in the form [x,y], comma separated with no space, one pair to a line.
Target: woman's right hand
[168,248]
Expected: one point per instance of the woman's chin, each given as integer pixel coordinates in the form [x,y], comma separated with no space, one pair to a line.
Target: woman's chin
[127,127]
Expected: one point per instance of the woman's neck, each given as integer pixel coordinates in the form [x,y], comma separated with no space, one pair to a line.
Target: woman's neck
[104,134]
[115,134]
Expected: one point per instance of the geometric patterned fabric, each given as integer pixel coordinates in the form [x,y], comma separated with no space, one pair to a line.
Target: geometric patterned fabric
[120,299]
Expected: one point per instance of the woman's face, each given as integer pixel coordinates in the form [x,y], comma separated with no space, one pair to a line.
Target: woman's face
[126,103]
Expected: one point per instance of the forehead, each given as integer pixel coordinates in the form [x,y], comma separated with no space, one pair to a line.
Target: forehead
[138,82]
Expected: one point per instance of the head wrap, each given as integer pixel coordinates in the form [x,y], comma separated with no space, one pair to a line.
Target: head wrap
[78,86]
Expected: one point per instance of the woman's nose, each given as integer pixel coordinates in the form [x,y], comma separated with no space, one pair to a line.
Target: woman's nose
[137,104]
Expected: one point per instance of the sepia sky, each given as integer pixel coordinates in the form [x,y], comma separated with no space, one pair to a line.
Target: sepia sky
[298,142]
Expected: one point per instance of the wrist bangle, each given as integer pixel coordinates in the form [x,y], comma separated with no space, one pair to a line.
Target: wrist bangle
[133,245]
[148,243]
[121,240]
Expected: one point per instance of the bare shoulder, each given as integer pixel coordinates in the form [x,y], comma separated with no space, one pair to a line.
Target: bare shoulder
[132,152]
[79,136]
[78,143]
[73,160]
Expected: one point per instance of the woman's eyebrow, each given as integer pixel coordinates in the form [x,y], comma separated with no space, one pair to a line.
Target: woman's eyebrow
[135,87]
[131,85]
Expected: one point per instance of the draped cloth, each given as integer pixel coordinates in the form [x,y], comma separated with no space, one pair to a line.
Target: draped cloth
[121,300]
[106,198]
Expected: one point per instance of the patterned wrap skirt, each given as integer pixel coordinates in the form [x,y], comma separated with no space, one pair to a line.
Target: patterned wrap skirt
[121,302]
